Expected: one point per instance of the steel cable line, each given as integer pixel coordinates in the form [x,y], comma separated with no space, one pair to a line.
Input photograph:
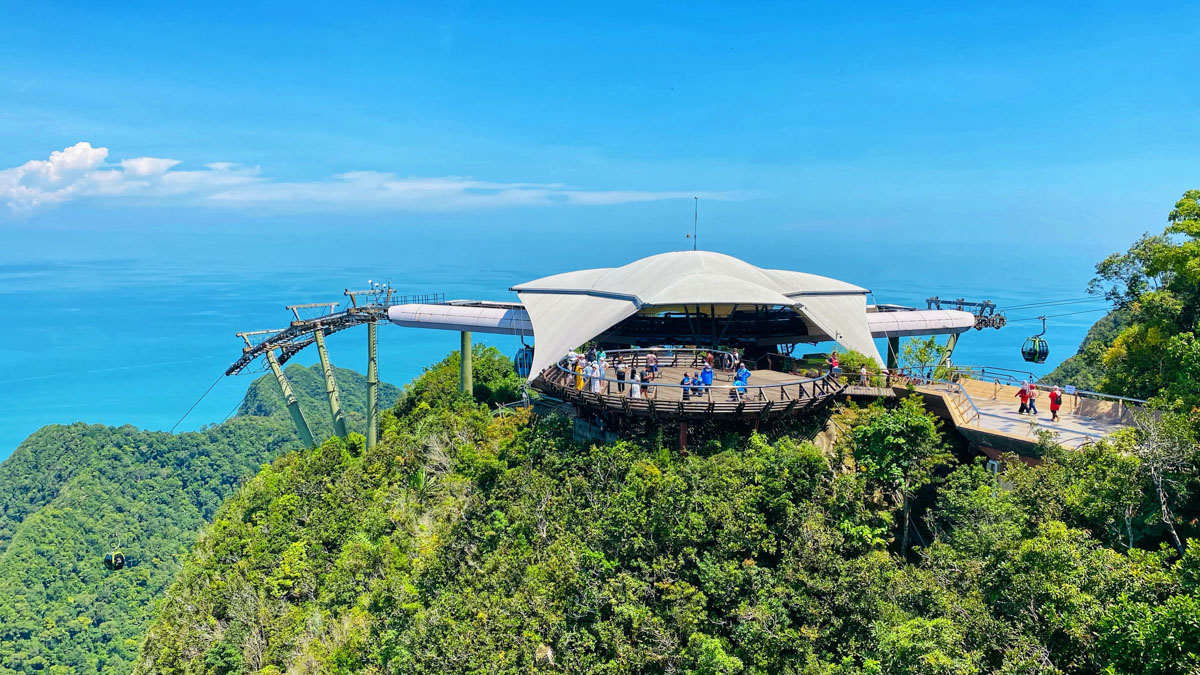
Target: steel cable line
[189,410]
[1051,316]
[236,406]
[1068,301]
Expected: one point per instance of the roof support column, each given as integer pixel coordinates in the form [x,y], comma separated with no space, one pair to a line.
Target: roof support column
[331,388]
[712,310]
[372,385]
[466,384]
[893,355]
[289,398]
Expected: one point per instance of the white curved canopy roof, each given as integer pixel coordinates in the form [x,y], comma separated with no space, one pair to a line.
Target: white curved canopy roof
[571,308]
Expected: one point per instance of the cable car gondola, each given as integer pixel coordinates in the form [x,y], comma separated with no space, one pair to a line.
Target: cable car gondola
[114,559]
[523,361]
[1036,349]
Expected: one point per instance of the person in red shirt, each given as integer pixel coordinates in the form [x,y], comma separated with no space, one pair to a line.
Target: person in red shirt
[1023,394]
[1055,403]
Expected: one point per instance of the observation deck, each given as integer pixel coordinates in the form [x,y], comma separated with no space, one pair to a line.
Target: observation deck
[768,394]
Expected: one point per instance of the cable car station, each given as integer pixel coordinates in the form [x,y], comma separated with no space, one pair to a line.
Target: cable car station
[693,336]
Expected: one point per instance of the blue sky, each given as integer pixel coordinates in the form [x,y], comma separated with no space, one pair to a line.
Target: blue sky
[171,173]
[954,121]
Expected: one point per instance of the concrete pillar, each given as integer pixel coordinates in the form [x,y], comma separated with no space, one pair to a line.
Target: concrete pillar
[466,378]
[331,389]
[683,437]
[289,398]
[372,386]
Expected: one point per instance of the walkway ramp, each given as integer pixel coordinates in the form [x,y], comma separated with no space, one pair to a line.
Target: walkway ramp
[986,414]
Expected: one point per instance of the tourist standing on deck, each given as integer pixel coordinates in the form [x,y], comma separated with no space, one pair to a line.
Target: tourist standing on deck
[651,365]
[619,366]
[862,376]
[589,372]
[635,384]
[832,361]
[706,374]
[1055,403]
[1033,394]
[578,374]
[697,385]
[572,360]
[1023,394]
[686,383]
[742,378]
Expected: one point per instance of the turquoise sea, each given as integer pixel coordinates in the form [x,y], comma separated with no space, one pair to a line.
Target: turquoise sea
[120,325]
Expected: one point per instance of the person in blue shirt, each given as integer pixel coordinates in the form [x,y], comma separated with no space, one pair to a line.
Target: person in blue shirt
[743,373]
[706,374]
[697,385]
[740,380]
[687,387]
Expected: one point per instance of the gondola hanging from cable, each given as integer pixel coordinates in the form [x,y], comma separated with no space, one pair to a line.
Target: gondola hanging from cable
[523,360]
[1036,349]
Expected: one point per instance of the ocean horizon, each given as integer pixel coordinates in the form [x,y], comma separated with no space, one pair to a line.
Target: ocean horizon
[131,328]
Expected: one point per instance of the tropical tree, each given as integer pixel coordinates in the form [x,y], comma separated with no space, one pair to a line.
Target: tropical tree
[1165,446]
[900,449]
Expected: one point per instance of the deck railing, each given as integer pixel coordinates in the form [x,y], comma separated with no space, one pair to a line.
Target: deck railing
[1010,377]
[563,375]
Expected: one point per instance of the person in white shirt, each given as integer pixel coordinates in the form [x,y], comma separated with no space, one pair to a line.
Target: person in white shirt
[589,375]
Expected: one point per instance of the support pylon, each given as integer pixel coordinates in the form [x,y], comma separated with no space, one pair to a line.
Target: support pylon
[331,388]
[951,343]
[372,385]
[293,405]
[893,355]
[466,378]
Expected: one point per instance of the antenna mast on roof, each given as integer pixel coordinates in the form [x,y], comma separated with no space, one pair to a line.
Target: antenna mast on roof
[695,220]
[694,236]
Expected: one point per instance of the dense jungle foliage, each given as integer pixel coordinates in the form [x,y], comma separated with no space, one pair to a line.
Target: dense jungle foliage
[70,493]
[1148,348]
[1085,368]
[472,542]
[469,541]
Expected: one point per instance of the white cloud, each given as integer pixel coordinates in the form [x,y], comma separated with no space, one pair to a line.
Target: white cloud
[81,172]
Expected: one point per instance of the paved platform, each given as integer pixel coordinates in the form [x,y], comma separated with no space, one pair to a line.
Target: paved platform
[1001,417]
[985,413]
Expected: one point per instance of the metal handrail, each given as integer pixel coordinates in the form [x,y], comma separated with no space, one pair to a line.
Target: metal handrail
[961,391]
[982,370]
[718,364]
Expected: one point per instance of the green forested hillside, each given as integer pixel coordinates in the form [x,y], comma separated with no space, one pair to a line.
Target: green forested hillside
[1085,368]
[264,398]
[69,491]
[471,543]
